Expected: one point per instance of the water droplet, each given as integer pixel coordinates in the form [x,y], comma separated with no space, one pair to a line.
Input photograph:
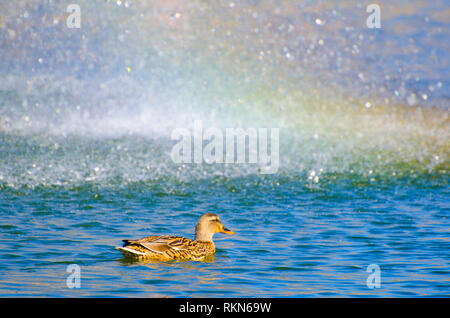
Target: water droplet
[11,33]
[412,99]
[319,21]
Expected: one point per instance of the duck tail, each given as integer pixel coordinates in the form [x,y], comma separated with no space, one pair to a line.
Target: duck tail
[129,251]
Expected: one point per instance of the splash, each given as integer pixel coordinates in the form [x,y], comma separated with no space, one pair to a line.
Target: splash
[99,103]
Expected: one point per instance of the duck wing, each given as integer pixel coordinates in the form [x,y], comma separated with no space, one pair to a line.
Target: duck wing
[163,243]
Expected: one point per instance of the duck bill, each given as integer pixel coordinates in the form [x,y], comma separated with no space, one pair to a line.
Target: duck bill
[226,231]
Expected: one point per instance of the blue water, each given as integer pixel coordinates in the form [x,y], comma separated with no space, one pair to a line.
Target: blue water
[86,117]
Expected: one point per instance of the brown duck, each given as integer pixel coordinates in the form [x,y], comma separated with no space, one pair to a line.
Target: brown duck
[167,247]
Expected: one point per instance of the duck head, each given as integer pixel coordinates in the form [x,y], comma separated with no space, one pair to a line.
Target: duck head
[207,226]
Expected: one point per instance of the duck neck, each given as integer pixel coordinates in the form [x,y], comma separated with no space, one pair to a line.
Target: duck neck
[202,235]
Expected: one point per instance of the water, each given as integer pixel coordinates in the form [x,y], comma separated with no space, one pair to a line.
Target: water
[86,117]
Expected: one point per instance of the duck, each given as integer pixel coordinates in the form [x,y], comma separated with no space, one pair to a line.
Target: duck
[169,247]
